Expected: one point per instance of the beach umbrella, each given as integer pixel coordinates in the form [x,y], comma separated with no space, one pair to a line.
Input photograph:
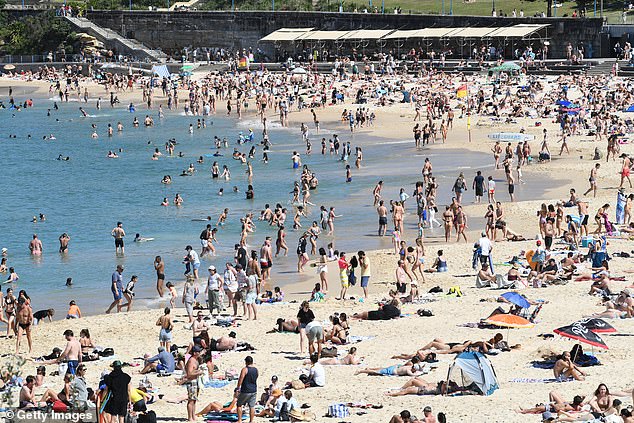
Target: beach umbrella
[9,67]
[564,103]
[630,109]
[187,67]
[299,71]
[509,321]
[517,299]
[596,325]
[581,333]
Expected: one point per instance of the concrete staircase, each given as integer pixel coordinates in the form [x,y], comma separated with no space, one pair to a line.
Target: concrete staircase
[112,39]
[604,67]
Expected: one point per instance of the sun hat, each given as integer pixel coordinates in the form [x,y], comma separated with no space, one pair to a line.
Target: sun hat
[212,267]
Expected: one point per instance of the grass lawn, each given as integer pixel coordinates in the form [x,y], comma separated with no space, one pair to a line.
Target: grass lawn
[484,7]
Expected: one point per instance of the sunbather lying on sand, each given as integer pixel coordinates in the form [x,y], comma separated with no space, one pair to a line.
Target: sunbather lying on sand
[555,405]
[412,368]
[440,347]
[350,359]
[418,386]
[216,406]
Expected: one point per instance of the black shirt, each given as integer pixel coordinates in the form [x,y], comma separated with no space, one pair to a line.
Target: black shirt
[479,182]
[241,257]
[391,312]
[117,382]
[305,317]
[301,246]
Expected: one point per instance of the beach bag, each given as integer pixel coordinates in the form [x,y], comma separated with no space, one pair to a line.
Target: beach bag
[338,410]
[60,407]
[107,352]
[302,416]
[352,278]
[329,352]
[298,384]
[149,417]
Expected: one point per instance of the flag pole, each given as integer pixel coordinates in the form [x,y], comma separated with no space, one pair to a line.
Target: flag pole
[469,119]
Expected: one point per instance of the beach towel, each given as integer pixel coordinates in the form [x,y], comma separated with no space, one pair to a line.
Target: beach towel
[620,207]
[216,383]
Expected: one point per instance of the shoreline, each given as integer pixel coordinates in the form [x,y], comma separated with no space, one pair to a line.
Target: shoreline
[132,334]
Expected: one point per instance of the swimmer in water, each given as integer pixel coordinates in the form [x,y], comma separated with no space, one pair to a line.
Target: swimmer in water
[83,112]
[139,238]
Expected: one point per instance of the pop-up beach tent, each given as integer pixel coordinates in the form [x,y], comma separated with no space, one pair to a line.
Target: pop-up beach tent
[473,368]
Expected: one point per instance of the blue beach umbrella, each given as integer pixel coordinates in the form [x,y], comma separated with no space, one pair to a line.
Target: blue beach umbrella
[564,103]
[517,299]
[630,109]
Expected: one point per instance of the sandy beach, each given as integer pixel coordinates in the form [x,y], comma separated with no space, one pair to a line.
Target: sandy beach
[133,334]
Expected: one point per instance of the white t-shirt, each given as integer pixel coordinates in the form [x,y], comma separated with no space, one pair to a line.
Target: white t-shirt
[318,374]
[193,256]
[485,246]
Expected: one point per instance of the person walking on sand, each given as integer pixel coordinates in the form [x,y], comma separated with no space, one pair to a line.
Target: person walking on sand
[118,384]
[118,234]
[117,289]
[593,180]
[214,283]
[461,222]
[625,170]
[247,389]
[23,324]
[166,324]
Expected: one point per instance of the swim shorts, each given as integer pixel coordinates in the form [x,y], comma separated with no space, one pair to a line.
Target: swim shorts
[388,371]
[72,366]
[251,297]
[118,242]
[364,281]
[192,390]
[315,333]
[165,335]
[247,398]
[117,294]
[382,220]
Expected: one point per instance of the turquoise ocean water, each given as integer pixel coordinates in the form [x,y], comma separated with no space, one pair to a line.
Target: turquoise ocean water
[87,195]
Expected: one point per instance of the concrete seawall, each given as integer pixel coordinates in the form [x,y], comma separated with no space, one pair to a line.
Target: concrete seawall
[172,31]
